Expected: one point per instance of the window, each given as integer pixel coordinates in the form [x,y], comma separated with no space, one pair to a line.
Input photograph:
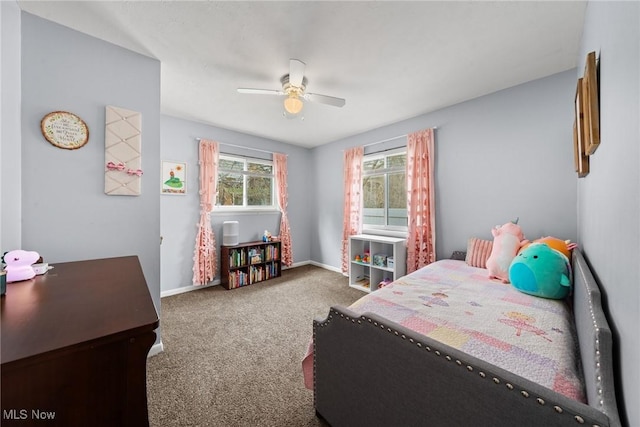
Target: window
[245,183]
[384,189]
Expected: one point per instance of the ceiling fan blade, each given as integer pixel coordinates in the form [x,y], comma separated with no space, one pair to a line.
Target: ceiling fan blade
[260,91]
[324,99]
[296,72]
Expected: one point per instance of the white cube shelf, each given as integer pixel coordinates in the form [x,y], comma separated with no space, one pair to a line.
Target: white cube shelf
[368,275]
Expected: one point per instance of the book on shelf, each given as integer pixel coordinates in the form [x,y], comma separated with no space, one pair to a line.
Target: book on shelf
[362,281]
[256,255]
[237,258]
[272,252]
[271,270]
[257,274]
[237,279]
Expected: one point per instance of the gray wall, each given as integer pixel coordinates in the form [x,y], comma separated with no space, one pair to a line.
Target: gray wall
[180,214]
[65,214]
[10,153]
[609,197]
[498,157]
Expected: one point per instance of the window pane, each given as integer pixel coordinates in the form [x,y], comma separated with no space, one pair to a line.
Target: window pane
[373,164]
[397,203]
[397,190]
[397,160]
[229,189]
[373,216]
[245,183]
[259,191]
[230,165]
[260,168]
[398,217]
[385,195]
[373,199]
[373,194]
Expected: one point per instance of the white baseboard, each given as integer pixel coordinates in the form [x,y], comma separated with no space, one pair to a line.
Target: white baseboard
[296,264]
[328,267]
[184,289]
[317,264]
[156,349]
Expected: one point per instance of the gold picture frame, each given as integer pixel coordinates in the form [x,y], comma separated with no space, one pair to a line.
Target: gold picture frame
[581,159]
[591,104]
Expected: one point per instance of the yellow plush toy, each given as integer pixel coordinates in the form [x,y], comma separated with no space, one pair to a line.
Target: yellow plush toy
[563,246]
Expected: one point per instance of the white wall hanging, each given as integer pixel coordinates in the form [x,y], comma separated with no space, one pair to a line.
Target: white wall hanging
[123,152]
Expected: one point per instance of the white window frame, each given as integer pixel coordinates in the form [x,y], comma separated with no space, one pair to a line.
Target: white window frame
[393,230]
[246,174]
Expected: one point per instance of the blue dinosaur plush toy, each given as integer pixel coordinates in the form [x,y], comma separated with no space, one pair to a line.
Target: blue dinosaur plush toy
[541,271]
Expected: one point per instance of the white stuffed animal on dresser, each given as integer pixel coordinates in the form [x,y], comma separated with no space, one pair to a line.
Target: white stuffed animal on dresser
[19,265]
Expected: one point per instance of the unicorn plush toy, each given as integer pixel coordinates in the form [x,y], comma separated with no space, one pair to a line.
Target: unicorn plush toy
[507,240]
[19,265]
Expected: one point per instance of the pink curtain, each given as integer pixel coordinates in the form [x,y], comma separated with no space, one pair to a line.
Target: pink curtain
[421,239]
[352,212]
[280,161]
[204,259]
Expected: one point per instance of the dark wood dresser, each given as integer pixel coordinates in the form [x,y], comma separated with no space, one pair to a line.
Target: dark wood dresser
[74,346]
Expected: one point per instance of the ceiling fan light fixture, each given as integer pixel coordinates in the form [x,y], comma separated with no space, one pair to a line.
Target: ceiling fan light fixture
[294,87]
[293,104]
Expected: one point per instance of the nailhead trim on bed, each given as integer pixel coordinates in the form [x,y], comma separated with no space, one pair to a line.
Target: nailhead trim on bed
[469,368]
[597,341]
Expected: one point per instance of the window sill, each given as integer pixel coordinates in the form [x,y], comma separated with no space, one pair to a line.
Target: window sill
[217,211]
[381,232]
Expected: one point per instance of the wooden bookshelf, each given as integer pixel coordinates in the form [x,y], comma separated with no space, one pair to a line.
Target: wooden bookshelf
[248,263]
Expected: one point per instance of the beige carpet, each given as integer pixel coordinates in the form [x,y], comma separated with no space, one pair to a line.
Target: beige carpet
[232,358]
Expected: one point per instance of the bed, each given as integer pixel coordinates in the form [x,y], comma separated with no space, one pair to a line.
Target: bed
[379,363]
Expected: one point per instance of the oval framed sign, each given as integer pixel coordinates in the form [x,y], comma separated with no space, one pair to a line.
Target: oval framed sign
[64,130]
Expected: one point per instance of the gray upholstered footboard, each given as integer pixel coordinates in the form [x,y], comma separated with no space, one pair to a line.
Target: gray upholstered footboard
[371,372]
[595,339]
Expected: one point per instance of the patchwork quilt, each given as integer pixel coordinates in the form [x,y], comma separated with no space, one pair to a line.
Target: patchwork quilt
[460,306]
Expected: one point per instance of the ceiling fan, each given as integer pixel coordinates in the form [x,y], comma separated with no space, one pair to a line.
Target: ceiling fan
[294,86]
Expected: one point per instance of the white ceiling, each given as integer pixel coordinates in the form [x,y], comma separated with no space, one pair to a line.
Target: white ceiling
[390,60]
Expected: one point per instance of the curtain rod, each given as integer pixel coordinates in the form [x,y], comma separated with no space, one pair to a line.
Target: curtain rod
[391,139]
[239,146]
